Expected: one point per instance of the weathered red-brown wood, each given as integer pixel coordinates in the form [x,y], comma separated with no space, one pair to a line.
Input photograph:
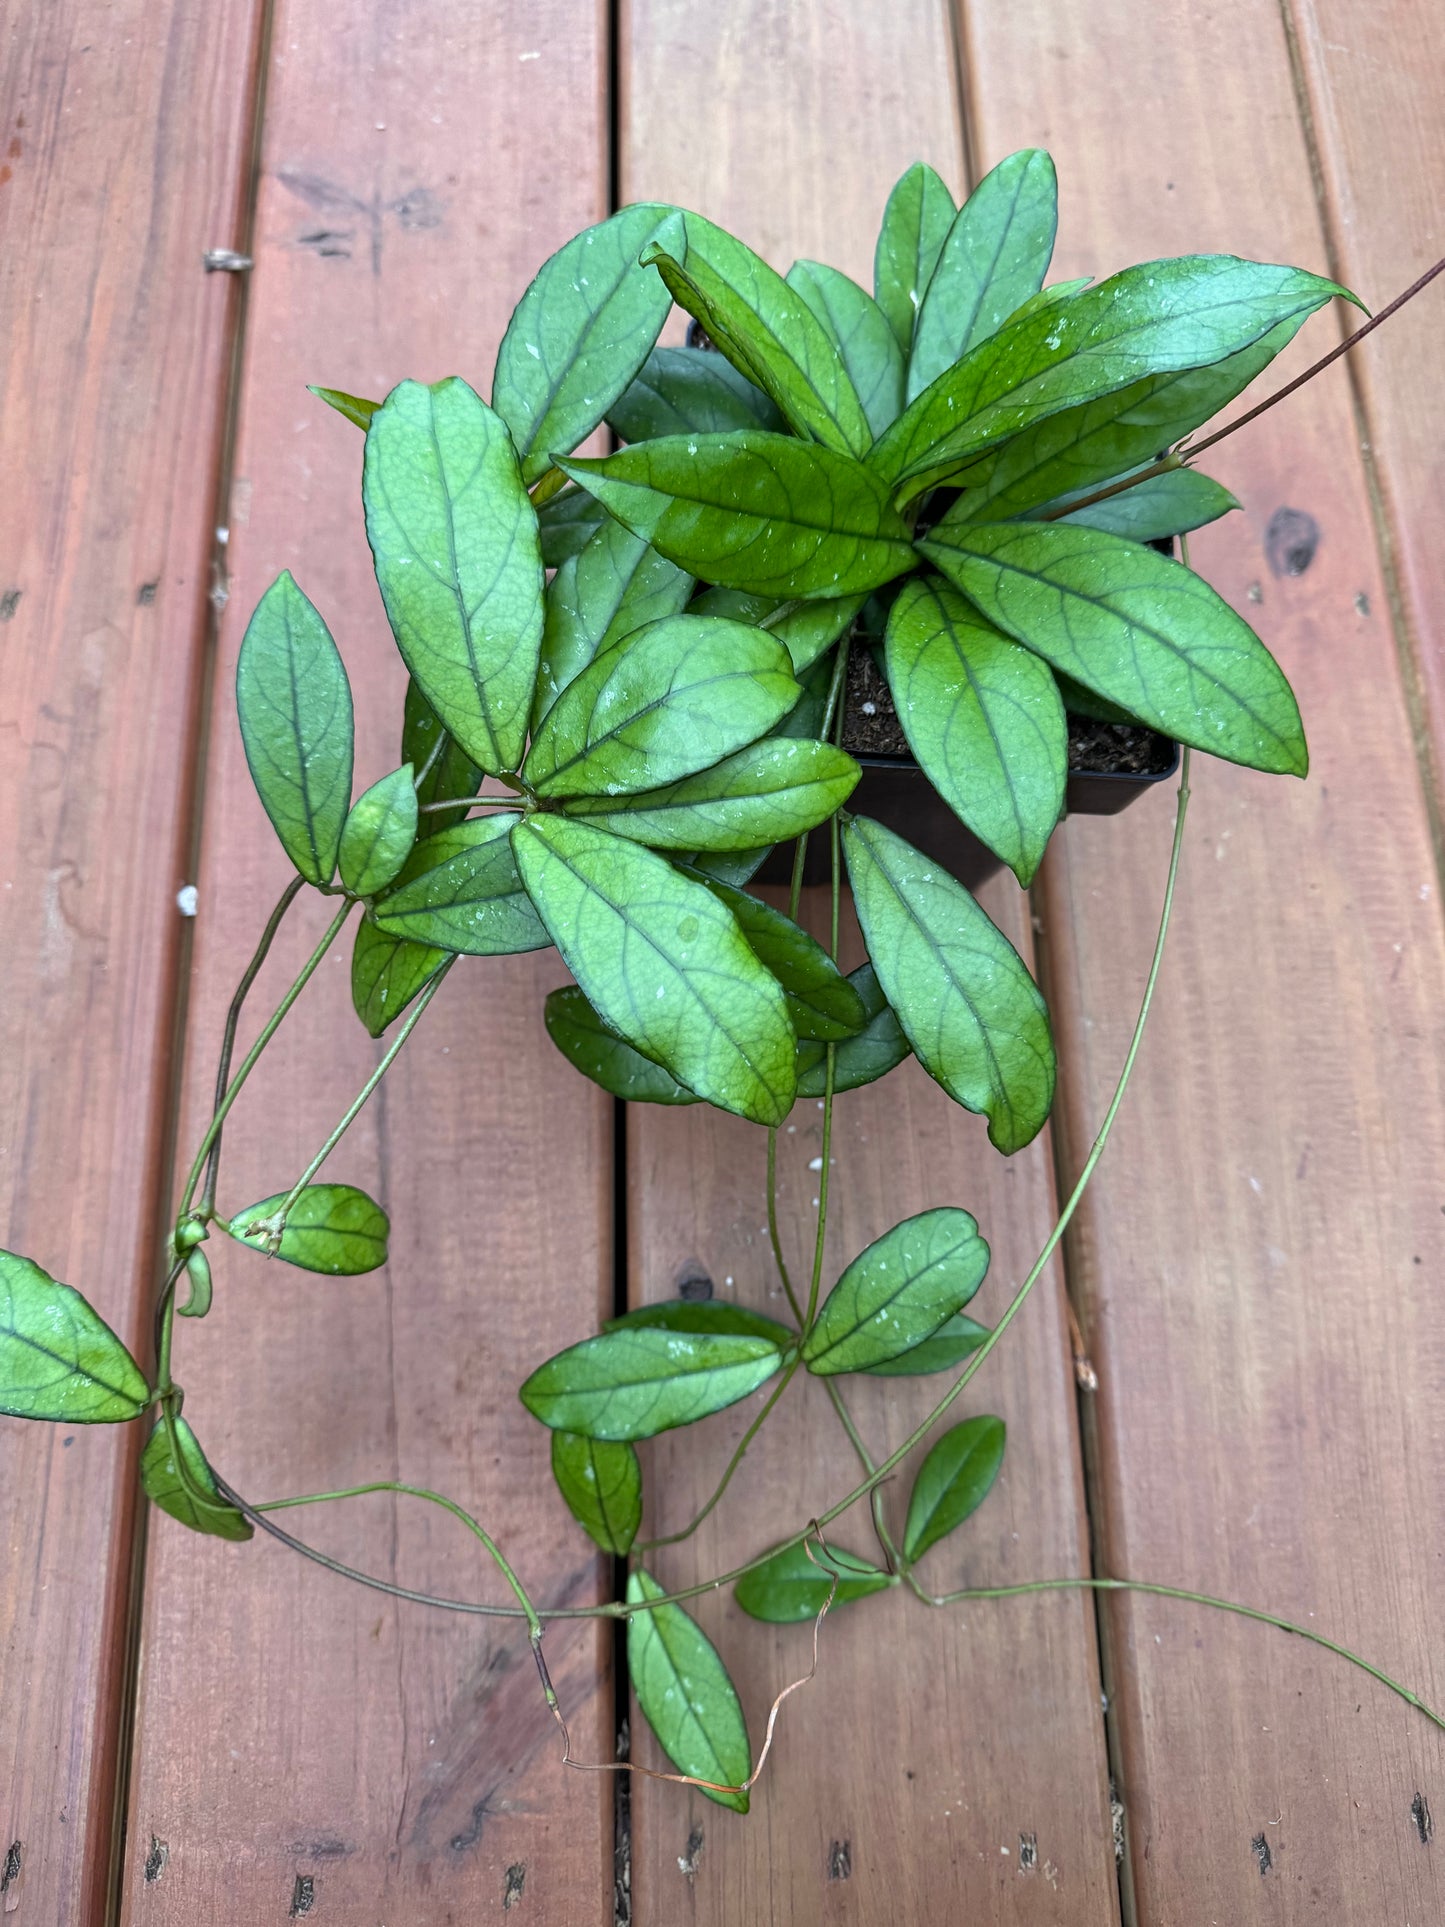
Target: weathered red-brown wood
[906,1779]
[123,133]
[1257,1260]
[301,1743]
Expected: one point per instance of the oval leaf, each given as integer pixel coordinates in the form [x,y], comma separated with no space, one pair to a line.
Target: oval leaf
[379,833]
[663,963]
[294,705]
[331,1227]
[953,1481]
[602,1484]
[451,772]
[689,391]
[821,1002]
[386,973]
[163,1486]
[970,1009]
[1170,504]
[354,407]
[704,1315]
[618,583]
[797,1582]
[609,1060]
[685,1695]
[862,335]
[58,1358]
[460,891]
[765,794]
[916,223]
[877,1049]
[898,1292]
[458,561]
[637,1382]
[956,1339]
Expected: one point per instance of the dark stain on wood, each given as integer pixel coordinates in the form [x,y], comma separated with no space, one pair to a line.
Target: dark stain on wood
[9,603]
[1290,541]
[840,1860]
[10,1872]
[1259,1847]
[303,1896]
[1420,1814]
[689,1859]
[155,1864]
[516,1880]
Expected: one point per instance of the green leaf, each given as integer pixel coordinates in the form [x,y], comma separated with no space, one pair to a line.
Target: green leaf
[765,794]
[460,891]
[1050,297]
[637,1382]
[968,1006]
[162,1483]
[379,833]
[333,1228]
[1148,320]
[452,774]
[706,1315]
[755,511]
[579,335]
[995,258]
[352,406]
[667,700]
[596,1050]
[955,1340]
[1138,629]
[876,1050]
[458,561]
[685,1695]
[617,584]
[953,1481]
[58,1358]
[567,523]
[984,719]
[1173,503]
[766,330]
[199,1293]
[862,335]
[386,973]
[294,704]
[690,391]
[737,867]
[796,1583]
[663,963]
[916,222]
[805,629]
[821,1001]
[898,1292]
[602,1484]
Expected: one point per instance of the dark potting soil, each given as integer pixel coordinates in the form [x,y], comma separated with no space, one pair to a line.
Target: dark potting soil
[871,728]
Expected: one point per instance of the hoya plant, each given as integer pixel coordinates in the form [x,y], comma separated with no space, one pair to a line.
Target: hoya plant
[960,473]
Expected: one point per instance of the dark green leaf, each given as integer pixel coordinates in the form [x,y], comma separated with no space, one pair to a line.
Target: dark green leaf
[995,258]
[756,511]
[579,335]
[458,561]
[1173,503]
[805,629]
[352,406]
[460,891]
[294,704]
[898,1292]
[707,1315]
[955,1340]
[916,222]
[875,1051]
[737,867]
[161,1479]
[862,335]
[602,1484]
[609,1060]
[690,391]
[379,833]
[617,584]
[984,719]
[1079,701]
[766,330]
[685,1695]
[968,1006]
[567,522]
[453,773]
[1137,628]
[797,1583]
[333,1228]
[953,1481]
[766,793]
[58,1358]
[821,1002]
[663,963]
[386,973]
[636,1382]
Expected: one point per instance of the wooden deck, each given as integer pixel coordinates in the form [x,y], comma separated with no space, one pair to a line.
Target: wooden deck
[192,1732]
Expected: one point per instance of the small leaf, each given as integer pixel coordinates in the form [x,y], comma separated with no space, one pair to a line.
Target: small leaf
[458,561]
[916,222]
[453,773]
[198,1274]
[663,964]
[667,700]
[953,1481]
[460,891]
[567,523]
[756,511]
[737,867]
[579,335]
[821,1001]
[58,1358]
[1173,503]
[968,1006]
[602,1484]
[877,1049]
[353,407]
[796,1583]
[764,794]
[332,1228]
[984,719]
[386,973]
[898,1292]
[995,258]
[294,704]
[706,1315]
[163,1486]
[609,1060]
[635,1383]
[379,833]
[685,1695]
[956,1339]
[1138,629]
[805,629]
[690,391]
[862,335]
[617,584]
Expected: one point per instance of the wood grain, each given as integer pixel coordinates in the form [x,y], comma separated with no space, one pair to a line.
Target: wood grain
[301,1743]
[906,1779]
[117,171]
[1258,1258]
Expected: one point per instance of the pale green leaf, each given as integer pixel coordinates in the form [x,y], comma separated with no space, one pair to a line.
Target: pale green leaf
[916,222]
[860,331]
[386,973]
[956,1339]
[332,1228]
[617,583]
[685,1695]
[636,1382]
[798,1582]
[162,1481]
[58,1357]
[379,833]
[353,407]
[460,891]
[898,1292]
[765,794]
[601,1481]
[1173,503]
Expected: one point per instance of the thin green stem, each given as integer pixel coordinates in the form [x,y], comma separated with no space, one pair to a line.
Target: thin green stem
[865,1459]
[433,756]
[467,803]
[740,1452]
[773,1237]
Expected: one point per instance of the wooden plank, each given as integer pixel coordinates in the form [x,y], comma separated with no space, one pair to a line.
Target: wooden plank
[1257,1258]
[903,1781]
[301,1742]
[119,168]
